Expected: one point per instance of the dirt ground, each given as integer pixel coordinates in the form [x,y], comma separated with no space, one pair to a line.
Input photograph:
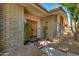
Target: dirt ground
[63,44]
[27,50]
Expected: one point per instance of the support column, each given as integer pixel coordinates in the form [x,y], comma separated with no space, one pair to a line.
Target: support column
[58,25]
[39,29]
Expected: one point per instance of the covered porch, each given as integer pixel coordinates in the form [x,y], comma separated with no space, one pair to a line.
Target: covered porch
[31,22]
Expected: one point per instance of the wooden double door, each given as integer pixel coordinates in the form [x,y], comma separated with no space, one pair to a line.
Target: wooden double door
[33,28]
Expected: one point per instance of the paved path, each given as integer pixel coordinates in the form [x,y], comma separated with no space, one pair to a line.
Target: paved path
[53,52]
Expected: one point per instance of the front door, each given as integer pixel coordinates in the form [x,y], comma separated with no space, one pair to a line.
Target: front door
[33,28]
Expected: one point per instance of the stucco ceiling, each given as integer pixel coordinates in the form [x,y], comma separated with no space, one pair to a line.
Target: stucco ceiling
[35,10]
[29,8]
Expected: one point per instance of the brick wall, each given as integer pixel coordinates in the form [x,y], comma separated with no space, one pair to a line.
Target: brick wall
[1,27]
[13,34]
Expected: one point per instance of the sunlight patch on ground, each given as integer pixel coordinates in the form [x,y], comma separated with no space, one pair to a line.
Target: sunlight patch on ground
[50,51]
[43,43]
[70,43]
[64,49]
[56,41]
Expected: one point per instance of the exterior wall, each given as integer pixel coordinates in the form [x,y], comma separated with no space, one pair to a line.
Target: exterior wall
[1,28]
[12,18]
[52,29]
[55,26]
[60,25]
[43,21]
[13,24]
[52,26]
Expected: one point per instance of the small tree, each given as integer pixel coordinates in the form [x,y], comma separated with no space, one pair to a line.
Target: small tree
[73,9]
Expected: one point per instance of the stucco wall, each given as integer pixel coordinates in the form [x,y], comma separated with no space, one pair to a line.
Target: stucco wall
[52,26]
[13,24]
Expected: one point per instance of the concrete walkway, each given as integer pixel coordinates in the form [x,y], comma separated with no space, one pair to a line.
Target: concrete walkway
[53,52]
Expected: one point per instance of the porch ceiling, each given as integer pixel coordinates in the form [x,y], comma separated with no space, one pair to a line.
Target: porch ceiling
[34,10]
[61,12]
[38,10]
[57,11]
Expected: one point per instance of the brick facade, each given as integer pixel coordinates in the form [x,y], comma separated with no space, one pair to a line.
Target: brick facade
[12,17]
[11,26]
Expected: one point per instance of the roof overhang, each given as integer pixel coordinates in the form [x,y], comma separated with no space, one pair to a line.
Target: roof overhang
[34,9]
[61,12]
[42,12]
